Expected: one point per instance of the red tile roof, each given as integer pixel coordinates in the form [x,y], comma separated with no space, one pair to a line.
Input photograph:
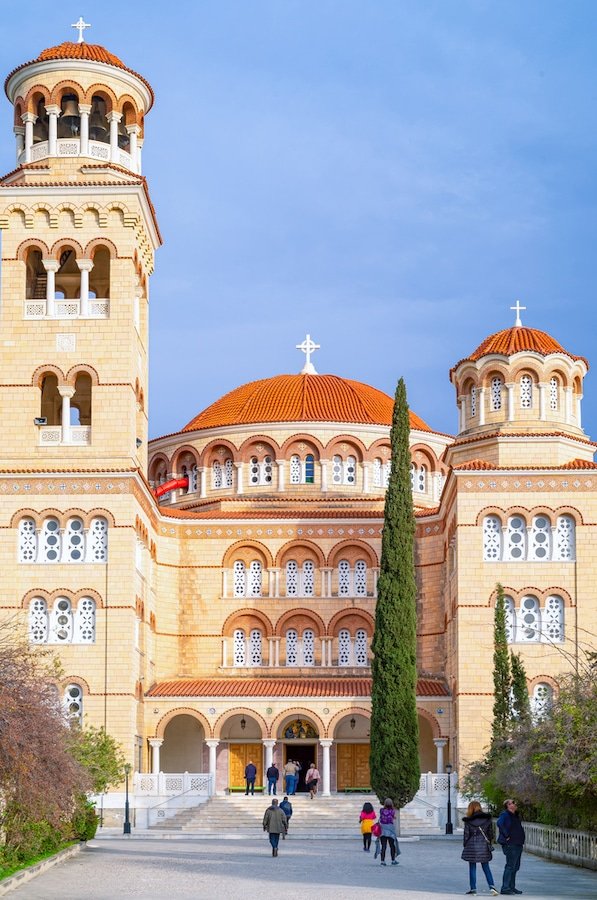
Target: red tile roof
[516,340]
[282,687]
[478,465]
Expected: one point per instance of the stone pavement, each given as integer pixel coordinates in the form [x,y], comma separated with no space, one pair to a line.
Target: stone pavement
[305,870]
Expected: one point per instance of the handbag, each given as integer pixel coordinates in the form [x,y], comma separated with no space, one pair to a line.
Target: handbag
[376,830]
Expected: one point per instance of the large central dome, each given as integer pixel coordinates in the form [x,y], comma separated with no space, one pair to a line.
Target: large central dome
[301,398]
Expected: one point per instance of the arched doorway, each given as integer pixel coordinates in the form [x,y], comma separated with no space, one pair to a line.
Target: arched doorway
[182,750]
[427,750]
[299,737]
[244,738]
[351,738]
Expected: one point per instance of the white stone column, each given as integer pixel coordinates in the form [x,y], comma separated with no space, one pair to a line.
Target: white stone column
[281,473]
[114,119]
[269,745]
[366,468]
[212,747]
[326,581]
[323,465]
[19,132]
[84,112]
[29,119]
[155,744]
[66,392]
[51,266]
[481,405]
[85,267]
[542,415]
[133,131]
[53,112]
[325,766]
[510,389]
[568,404]
[203,481]
[239,477]
[274,582]
[440,743]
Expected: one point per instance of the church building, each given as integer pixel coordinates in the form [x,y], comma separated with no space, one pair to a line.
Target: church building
[211,593]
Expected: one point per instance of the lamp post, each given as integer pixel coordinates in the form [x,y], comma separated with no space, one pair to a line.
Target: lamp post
[126,828]
[449,828]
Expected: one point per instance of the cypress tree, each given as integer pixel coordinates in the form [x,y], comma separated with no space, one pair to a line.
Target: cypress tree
[521,707]
[502,679]
[394,758]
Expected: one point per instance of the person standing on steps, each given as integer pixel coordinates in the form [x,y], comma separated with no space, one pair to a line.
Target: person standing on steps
[276,824]
[297,772]
[477,845]
[312,779]
[387,819]
[289,776]
[272,776]
[286,807]
[511,837]
[250,775]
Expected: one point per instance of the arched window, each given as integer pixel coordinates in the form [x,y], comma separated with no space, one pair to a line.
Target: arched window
[529,620]
[515,538]
[97,540]
[344,647]
[418,478]
[308,578]
[526,392]
[61,622]
[541,701]
[255,573]
[565,539]
[553,619]
[216,475]
[292,648]
[473,402]
[360,648]
[510,613]
[492,539]
[344,471]
[255,647]
[300,582]
[540,539]
[99,277]
[27,540]
[228,471]
[81,401]
[377,470]
[344,579]
[308,647]
[38,621]
[73,704]
[85,621]
[239,647]
[309,469]
[73,544]
[496,393]
[292,579]
[239,578]
[50,541]
[295,469]
[35,277]
[360,578]
[302,471]
[260,472]
[554,394]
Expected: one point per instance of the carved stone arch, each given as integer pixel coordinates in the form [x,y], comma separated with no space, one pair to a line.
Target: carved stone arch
[365,549]
[103,91]
[25,514]
[241,618]
[544,511]
[38,90]
[51,512]
[544,593]
[522,511]
[159,457]
[564,374]
[117,204]
[548,679]
[291,546]
[379,448]
[467,370]
[72,513]
[19,110]
[209,453]
[35,592]
[283,622]
[422,454]
[494,369]
[314,445]
[356,447]
[59,245]
[343,713]
[249,448]
[67,87]
[72,373]
[185,448]
[532,367]
[353,619]
[38,244]
[235,552]
[490,511]
[571,511]
[245,711]
[88,592]
[109,245]
[39,206]
[124,100]
[297,712]
[76,679]
[435,726]
[182,711]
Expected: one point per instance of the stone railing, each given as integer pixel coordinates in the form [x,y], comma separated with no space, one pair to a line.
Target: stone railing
[72,147]
[68,309]
[168,784]
[51,435]
[579,848]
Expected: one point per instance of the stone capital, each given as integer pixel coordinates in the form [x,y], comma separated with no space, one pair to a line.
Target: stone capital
[29,117]
[85,265]
[54,110]
[133,129]
[51,265]
[114,116]
[65,390]
[156,742]
[84,109]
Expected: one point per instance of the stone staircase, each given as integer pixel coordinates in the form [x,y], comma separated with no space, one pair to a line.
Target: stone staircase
[323,817]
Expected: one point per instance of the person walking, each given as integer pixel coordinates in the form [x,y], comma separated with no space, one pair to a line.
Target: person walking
[477,845]
[289,776]
[250,775]
[367,819]
[387,820]
[511,837]
[286,807]
[297,773]
[272,776]
[312,779]
[275,823]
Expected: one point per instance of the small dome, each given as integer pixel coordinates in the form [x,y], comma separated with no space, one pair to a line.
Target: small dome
[301,398]
[516,340]
[72,50]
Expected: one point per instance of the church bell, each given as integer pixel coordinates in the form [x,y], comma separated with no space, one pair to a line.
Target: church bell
[70,113]
[98,124]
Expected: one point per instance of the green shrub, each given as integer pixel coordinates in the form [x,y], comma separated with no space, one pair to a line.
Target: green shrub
[85,820]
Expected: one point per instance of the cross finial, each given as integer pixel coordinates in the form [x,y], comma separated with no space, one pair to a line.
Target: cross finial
[517,310]
[81,25]
[308,346]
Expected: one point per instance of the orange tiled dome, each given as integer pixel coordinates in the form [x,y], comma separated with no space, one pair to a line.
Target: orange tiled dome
[72,50]
[516,339]
[301,398]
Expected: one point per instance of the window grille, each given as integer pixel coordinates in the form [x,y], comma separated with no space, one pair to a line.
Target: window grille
[292,587]
[255,647]
[343,578]
[308,647]
[254,469]
[344,647]
[473,401]
[510,614]
[255,579]
[61,622]
[541,701]
[228,473]
[308,578]
[266,470]
[496,394]
[492,539]
[73,704]
[85,621]
[553,394]
[73,541]
[526,392]
[27,540]
[295,470]
[565,539]
[529,621]
[377,473]
[540,539]
[239,578]
[360,578]
[553,619]
[98,540]
[216,475]
[239,647]
[360,648]
[387,468]
[292,648]
[50,541]
[38,621]
[350,470]
[337,470]
[515,537]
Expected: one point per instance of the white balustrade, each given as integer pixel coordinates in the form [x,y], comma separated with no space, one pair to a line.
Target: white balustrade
[72,147]
[51,435]
[98,308]
[169,784]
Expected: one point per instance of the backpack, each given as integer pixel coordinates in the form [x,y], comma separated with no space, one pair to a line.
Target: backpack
[386,816]
[376,830]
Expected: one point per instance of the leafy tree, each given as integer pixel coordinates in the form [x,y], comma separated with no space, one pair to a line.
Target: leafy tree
[394,759]
[99,755]
[521,707]
[502,679]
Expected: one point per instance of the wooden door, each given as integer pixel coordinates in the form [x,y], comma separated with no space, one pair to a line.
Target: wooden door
[238,757]
[352,761]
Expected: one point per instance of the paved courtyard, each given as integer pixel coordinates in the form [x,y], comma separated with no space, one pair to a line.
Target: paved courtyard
[305,870]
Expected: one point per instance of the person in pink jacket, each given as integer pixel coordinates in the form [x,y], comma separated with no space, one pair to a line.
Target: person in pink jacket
[366,819]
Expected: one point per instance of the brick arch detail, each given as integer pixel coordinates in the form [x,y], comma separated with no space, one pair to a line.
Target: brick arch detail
[297,712]
[48,369]
[357,446]
[100,242]
[305,546]
[343,713]
[24,513]
[184,448]
[101,89]
[540,679]
[21,251]
[308,615]
[67,87]
[493,369]
[208,454]
[63,242]
[76,679]
[337,551]
[72,373]
[233,553]
[241,618]
[352,619]
[181,711]
[240,710]
[376,448]
[287,449]
[533,367]
[36,89]
[430,458]
[435,726]
[244,451]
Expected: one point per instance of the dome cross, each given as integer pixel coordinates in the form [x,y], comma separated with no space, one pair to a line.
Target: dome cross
[307,347]
[517,309]
[81,25]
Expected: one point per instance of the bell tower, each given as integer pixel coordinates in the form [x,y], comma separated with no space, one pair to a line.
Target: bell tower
[78,239]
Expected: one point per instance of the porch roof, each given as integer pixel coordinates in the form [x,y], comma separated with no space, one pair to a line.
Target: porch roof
[282,687]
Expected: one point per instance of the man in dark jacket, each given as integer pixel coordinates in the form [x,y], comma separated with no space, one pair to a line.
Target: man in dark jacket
[511,837]
[250,775]
[275,823]
[272,776]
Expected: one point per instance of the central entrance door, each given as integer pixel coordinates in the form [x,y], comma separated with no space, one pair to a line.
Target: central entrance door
[352,766]
[239,755]
[304,754]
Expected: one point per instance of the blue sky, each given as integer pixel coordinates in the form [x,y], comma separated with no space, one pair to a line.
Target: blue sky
[389,176]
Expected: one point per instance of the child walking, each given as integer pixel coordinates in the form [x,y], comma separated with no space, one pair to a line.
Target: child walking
[367,818]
